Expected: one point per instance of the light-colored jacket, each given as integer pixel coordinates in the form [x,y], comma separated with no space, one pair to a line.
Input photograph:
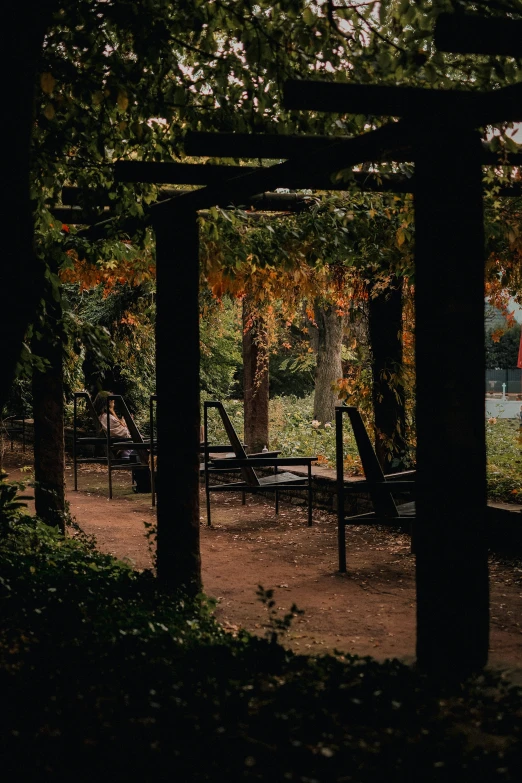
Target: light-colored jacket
[118,430]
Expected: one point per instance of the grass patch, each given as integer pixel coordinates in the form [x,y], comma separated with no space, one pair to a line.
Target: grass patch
[504,467]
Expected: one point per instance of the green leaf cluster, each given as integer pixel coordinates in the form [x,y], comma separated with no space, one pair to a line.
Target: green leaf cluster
[102,670]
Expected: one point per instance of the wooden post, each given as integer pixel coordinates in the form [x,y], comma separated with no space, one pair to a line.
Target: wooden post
[177,380]
[385,328]
[452,575]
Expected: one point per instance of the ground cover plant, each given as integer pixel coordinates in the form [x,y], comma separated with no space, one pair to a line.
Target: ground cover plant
[294,431]
[103,670]
[504,467]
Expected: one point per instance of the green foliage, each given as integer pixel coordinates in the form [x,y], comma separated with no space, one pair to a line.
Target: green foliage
[13,513]
[277,626]
[20,400]
[114,342]
[216,431]
[221,359]
[503,353]
[102,670]
[291,375]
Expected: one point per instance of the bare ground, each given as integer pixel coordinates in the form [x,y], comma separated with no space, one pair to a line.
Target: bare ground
[368,611]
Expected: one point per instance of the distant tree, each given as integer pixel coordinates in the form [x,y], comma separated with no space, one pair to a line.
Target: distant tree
[502,350]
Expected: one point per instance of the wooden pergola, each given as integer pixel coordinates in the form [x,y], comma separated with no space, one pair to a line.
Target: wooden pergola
[437,131]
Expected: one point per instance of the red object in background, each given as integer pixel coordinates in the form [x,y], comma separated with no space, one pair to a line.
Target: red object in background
[519,363]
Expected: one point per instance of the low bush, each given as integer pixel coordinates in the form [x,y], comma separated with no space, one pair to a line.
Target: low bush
[104,673]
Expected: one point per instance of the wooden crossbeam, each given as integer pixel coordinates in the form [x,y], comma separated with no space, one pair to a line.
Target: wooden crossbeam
[262,202]
[75,216]
[413,103]
[368,146]
[285,146]
[474,34]
[257,145]
[72,214]
[211,174]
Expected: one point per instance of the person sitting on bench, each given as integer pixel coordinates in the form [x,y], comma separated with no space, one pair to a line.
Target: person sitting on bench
[118,428]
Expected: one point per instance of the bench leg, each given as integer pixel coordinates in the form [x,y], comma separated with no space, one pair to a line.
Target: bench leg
[309,495]
[341,540]
[207,492]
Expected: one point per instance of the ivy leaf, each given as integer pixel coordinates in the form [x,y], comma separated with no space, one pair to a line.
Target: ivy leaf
[309,16]
[122,100]
[47,82]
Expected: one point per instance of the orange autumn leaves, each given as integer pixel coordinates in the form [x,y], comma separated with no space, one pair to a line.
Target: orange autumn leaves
[87,275]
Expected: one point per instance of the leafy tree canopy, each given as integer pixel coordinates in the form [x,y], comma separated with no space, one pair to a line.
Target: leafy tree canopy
[126,80]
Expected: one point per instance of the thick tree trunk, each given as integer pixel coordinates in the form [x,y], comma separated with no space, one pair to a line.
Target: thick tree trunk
[385,326]
[20,274]
[329,368]
[49,452]
[256,380]
[48,414]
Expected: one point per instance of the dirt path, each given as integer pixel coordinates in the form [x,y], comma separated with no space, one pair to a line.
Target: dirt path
[368,611]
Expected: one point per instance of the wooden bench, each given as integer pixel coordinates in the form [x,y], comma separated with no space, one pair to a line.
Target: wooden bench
[103,441]
[380,487]
[238,461]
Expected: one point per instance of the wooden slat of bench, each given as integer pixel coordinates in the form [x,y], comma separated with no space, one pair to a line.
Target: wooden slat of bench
[383,486]
[405,511]
[265,482]
[282,478]
[263,462]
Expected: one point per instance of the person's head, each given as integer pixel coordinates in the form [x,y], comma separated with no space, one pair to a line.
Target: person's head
[100,402]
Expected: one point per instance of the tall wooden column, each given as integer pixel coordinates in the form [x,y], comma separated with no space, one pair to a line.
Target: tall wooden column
[385,329]
[452,575]
[177,382]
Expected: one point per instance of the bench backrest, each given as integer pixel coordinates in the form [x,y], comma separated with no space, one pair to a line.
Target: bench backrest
[248,473]
[383,502]
[136,435]
[89,407]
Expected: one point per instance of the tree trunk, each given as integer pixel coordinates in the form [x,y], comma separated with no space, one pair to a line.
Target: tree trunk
[49,451]
[256,379]
[20,274]
[385,326]
[329,369]
[48,415]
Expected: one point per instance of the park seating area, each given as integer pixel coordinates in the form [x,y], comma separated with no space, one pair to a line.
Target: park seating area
[91,444]
[380,487]
[245,464]
[237,216]
[416,211]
